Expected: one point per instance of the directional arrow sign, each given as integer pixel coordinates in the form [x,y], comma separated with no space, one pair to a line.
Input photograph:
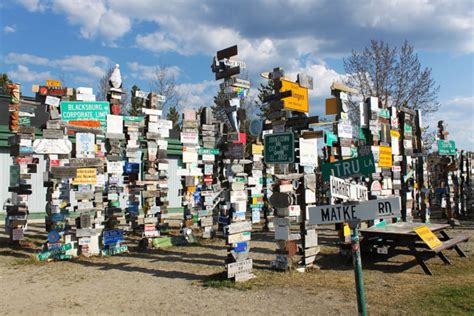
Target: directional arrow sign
[340,213]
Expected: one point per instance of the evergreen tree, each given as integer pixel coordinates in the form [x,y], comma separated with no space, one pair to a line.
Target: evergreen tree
[4,82]
[264,91]
[173,115]
[136,103]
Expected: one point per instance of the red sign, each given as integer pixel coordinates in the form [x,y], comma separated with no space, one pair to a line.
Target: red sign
[54,163]
[54,91]
[26,160]
[242,139]
[208,179]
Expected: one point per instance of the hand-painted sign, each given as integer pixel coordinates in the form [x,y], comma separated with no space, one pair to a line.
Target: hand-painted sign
[240,267]
[309,152]
[363,165]
[446,147]
[111,237]
[339,213]
[85,111]
[299,96]
[52,146]
[279,148]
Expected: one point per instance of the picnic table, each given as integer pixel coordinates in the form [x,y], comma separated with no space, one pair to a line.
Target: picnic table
[402,235]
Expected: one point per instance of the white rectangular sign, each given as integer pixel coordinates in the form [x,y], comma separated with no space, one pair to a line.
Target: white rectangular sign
[115,124]
[344,190]
[344,130]
[240,267]
[340,213]
[309,152]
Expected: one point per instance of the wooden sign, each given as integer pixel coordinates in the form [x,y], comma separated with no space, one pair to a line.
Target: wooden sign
[239,268]
[279,148]
[235,238]
[85,176]
[52,146]
[298,101]
[238,227]
[340,213]
[428,237]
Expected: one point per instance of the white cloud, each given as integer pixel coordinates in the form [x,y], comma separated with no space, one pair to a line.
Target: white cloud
[23,74]
[197,94]
[33,5]
[15,58]
[9,29]
[146,72]
[458,112]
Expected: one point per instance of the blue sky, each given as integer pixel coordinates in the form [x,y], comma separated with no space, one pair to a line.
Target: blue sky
[77,41]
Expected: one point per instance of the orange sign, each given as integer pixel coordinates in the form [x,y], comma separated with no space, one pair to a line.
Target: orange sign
[53,83]
[86,123]
[299,97]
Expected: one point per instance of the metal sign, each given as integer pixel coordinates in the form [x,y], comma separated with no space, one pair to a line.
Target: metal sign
[385,158]
[112,236]
[340,213]
[279,148]
[342,189]
[299,97]
[85,111]
[446,147]
[363,165]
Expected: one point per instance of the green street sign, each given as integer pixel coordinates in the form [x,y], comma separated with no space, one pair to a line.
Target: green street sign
[384,113]
[133,118]
[208,151]
[85,111]
[363,165]
[446,147]
[330,138]
[279,148]
[407,128]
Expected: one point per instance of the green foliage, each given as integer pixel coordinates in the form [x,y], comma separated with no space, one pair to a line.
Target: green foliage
[4,82]
[264,91]
[136,103]
[173,115]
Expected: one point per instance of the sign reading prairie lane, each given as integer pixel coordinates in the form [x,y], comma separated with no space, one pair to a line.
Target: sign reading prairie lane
[340,213]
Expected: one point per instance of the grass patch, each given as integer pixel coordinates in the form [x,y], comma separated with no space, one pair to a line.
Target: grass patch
[30,261]
[452,300]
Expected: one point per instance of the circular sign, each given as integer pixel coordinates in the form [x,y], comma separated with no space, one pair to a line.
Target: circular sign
[255,127]
[53,236]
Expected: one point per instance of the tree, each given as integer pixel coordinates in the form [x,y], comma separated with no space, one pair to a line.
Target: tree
[173,115]
[4,82]
[264,91]
[164,83]
[393,75]
[136,103]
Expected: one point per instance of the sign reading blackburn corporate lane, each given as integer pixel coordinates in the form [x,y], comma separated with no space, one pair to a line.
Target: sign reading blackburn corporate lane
[363,165]
[340,213]
[85,111]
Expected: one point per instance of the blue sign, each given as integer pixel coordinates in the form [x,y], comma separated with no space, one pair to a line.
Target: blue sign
[112,237]
[53,236]
[131,168]
[224,220]
[133,209]
[241,246]
[57,217]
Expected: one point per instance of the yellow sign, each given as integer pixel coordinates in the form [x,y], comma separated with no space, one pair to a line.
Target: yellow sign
[299,97]
[53,83]
[85,176]
[395,133]
[257,149]
[385,159]
[428,237]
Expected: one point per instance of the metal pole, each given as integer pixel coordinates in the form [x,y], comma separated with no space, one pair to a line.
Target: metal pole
[359,280]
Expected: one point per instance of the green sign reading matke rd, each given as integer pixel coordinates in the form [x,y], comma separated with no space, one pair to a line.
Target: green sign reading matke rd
[85,111]
[446,147]
[363,165]
[279,148]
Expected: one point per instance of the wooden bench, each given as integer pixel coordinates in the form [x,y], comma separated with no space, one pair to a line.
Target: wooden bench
[453,243]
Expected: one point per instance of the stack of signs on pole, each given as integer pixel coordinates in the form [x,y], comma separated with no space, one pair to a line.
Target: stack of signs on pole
[234,202]
[56,149]
[255,182]
[190,170]
[134,126]
[155,179]
[21,150]
[89,178]
[192,173]
[209,154]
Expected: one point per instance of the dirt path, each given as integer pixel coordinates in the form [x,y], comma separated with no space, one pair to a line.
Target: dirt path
[173,281]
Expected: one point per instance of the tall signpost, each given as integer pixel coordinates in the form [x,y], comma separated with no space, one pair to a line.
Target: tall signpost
[353,214]
[233,210]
